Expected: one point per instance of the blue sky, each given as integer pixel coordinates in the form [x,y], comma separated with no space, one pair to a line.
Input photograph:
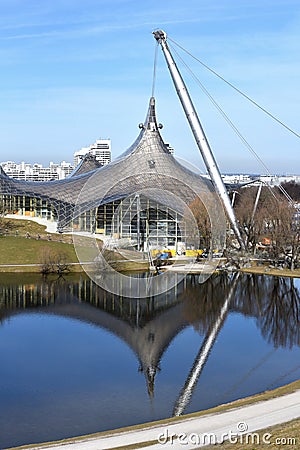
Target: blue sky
[74,71]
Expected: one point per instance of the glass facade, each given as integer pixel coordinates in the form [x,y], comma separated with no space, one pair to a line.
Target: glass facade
[142,220]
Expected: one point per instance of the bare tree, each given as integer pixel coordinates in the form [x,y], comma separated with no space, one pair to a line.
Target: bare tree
[251,216]
[283,228]
[275,220]
[244,213]
[202,219]
[53,261]
[2,211]
[293,189]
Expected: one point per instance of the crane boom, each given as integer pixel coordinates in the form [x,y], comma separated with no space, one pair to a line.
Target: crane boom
[199,134]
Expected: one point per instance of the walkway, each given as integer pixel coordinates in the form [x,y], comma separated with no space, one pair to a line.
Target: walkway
[193,432]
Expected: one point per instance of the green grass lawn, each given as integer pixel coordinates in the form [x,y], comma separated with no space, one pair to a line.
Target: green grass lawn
[16,249]
[19,250]
[23,226]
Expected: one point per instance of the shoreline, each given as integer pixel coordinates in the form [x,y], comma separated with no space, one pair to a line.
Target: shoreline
[15,261]
[262,270]
[76,267]
[255,401]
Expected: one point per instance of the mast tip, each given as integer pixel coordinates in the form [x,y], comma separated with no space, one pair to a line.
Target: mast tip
[160,35]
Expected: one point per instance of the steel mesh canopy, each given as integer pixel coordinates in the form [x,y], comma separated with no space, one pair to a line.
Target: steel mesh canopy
[145,166]
[87,164]
[2,173]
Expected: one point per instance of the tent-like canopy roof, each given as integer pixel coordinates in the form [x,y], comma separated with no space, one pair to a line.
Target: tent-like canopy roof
[146,167]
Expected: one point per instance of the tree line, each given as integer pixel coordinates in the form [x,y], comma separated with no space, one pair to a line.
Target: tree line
[269,223]
[272,229]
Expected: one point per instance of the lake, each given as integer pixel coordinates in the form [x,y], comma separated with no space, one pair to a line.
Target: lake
[77,360]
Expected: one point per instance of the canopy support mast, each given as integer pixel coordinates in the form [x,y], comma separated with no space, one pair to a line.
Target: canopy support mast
[199,134]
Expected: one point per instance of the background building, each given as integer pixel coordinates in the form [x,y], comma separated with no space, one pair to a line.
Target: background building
[36,172]
[101,149]
[270,180]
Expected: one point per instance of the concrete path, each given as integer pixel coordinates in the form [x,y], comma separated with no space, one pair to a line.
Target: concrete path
[195,432]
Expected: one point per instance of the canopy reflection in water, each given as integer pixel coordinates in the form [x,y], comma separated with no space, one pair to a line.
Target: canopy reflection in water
[104,343]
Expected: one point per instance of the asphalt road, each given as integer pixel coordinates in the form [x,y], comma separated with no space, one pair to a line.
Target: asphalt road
[191,433]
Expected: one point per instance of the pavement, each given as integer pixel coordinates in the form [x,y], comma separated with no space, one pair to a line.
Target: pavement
[197,431]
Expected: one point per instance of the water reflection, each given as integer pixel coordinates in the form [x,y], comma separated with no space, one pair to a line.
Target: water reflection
[273,301]
[203,353]
[146,325]
[149,326]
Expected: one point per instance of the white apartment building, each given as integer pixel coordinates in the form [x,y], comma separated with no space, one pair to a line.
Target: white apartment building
[36,172]
[101,149]
[276,180]
[237,178]
[271,180]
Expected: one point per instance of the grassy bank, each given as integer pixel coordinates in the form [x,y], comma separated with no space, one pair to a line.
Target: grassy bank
[19,250]
[266,270]
[21,227]
[280,436]
[25,242]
